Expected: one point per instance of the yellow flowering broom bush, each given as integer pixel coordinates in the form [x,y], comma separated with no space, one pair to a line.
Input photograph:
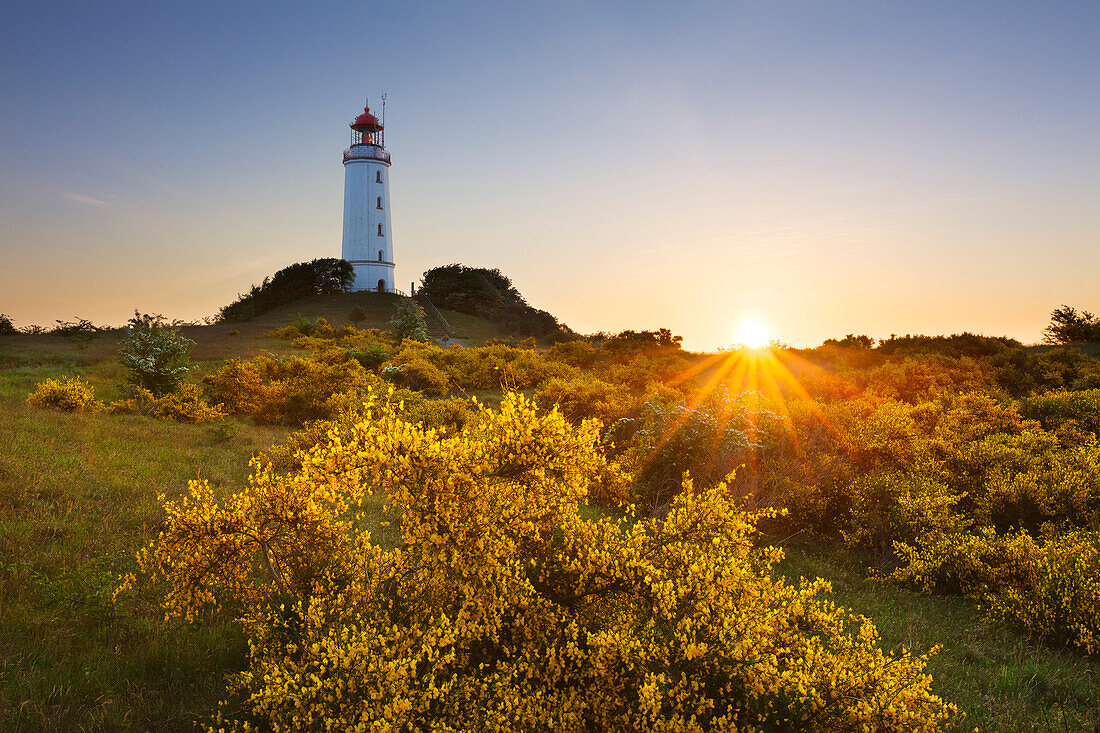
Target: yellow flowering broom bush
[290,390]
[1047,586]
[442,414]
[482,601]
[184,404]
[68,394]
[585,396]
[486,367]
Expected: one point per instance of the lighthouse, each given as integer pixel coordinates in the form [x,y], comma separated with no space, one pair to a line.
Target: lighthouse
[368,240]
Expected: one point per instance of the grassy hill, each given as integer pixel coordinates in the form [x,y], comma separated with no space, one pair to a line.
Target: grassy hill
[336,309]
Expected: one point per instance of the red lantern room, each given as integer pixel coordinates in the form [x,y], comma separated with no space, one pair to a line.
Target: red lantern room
[366,129]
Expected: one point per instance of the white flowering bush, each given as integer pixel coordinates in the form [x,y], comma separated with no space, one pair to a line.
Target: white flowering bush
[408,321]
[155,353]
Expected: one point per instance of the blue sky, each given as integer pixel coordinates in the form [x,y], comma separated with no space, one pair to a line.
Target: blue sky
[827,167]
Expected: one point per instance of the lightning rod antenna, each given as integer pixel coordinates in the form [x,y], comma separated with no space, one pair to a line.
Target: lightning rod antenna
[383,119]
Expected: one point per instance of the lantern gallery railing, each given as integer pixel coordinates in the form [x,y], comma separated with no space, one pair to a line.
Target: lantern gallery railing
[366,152]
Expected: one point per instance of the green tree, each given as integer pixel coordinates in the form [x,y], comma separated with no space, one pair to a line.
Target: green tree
[1069,326]
[488,294]
[317,277]
[155,352]
[408,322]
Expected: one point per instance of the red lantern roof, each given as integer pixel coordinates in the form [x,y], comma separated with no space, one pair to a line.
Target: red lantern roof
[366,122]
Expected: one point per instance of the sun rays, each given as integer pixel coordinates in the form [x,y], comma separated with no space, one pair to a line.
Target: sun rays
[760,384]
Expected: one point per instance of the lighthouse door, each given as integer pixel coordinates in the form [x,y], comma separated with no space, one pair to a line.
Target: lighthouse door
[381,286]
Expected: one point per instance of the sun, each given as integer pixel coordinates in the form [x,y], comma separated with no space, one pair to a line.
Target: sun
[753,333]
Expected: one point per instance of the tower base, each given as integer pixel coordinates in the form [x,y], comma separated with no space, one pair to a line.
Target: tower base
[374,277]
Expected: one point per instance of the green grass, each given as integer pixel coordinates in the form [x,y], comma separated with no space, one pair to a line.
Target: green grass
[471,330]
[78,496]
[1000,680]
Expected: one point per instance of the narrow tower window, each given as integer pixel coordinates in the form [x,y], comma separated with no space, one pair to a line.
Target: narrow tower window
[378,176]
[380,202]
[380,230]
[379,255]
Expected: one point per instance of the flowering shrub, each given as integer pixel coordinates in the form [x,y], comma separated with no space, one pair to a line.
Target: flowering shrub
[186,404]
[447,414]
[321,334]
[484,601]
[1060,600]
[709,439]
[372,356]
[1025,479]
[408,321]
[287,391]
[890,507]
[487,367]
[585,396]
[639,372]
[69,394]
[879,470]
[1047,586]
[155,353]
[416,373]
[1062,408]
[911,380]
[577,352]
[443,414]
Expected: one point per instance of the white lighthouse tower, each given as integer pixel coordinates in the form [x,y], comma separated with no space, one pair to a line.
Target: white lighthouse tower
[368,243]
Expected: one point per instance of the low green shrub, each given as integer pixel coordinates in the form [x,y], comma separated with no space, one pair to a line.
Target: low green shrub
[222,432]
[81,331]
[317,327]
[372,356]
[575,352]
